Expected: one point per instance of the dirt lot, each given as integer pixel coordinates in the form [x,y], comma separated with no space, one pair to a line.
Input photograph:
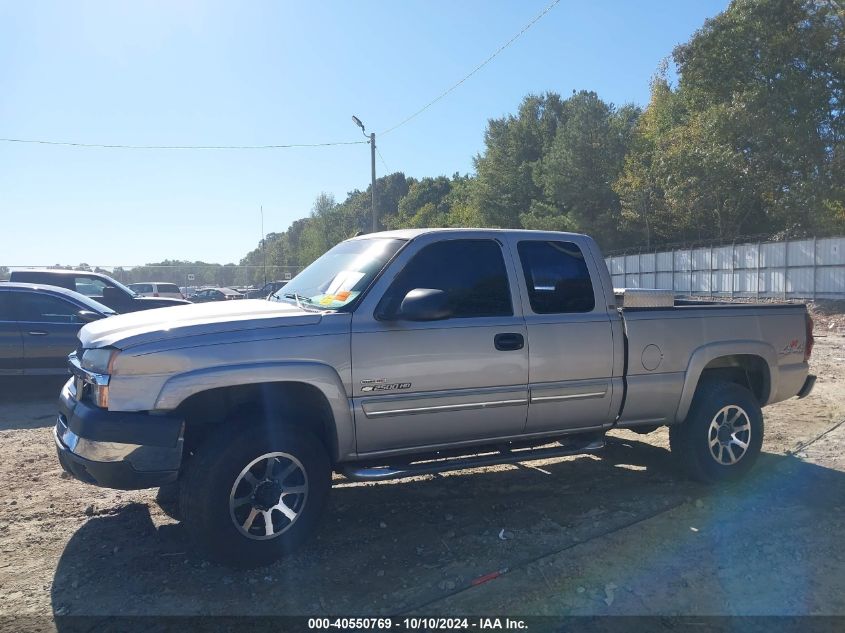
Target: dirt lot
[617,533]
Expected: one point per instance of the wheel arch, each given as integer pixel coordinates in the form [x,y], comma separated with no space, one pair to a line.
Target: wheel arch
[752,364]
[207,396]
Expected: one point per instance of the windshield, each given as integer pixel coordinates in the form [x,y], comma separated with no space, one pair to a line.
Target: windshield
[340,275]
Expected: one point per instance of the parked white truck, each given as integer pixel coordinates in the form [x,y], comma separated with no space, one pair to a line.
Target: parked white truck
[409,352]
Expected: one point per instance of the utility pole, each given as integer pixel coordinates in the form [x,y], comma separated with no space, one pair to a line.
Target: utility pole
[372,138]
[263,244]
[373,179]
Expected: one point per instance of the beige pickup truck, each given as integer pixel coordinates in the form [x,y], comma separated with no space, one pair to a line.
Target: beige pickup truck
[410,352]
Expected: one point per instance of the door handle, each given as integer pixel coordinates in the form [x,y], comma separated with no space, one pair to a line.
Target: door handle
[508,341]
[37,333]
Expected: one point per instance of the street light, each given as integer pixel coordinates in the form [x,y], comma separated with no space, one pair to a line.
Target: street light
[372,137]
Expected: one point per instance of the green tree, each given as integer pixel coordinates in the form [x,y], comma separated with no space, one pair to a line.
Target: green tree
[755,134]
[505,184]
[425,204]
[577,173]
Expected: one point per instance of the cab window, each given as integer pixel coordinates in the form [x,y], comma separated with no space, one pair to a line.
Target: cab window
[471,272]
[40,308]
[557,277]
[89,286]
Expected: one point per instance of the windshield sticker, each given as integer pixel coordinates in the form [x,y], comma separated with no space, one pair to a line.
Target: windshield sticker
[344,280]
[331,300]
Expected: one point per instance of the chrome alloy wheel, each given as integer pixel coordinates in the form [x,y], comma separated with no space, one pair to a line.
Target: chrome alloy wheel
[729,435]
[268,496]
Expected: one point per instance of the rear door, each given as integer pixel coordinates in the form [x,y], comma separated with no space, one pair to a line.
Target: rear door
[460,379]
[11,341]
[49,325]
[569,335]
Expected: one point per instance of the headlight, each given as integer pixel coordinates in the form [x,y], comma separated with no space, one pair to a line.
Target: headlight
[99,361]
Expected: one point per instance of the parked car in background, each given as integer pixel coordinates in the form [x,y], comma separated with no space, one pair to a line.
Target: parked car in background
[265,291]
[38,326]
[102,288]
[215,294]
[157,289]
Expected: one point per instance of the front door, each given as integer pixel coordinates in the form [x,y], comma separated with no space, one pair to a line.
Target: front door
[460,379]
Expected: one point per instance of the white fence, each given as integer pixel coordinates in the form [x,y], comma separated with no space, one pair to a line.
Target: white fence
[801,269]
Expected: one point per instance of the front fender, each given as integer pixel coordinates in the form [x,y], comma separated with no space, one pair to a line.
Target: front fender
[182,386]
[705,354]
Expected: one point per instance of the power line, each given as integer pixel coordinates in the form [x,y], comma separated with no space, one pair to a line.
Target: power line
[386,168]
[116,146]
[474,70]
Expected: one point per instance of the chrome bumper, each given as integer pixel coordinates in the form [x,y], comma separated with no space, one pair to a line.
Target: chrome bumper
[90,449]
[114,449]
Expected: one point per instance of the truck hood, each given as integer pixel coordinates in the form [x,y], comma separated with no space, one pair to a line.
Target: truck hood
[148,326]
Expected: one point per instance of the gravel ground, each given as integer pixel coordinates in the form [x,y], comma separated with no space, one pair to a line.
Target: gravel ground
[617,532]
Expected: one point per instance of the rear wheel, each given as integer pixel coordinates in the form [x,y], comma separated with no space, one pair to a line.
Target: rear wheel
[722,436]
[250,495]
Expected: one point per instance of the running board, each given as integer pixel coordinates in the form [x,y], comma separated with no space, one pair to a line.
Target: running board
[381,473]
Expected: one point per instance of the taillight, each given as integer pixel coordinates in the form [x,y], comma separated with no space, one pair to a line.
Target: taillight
[808,345]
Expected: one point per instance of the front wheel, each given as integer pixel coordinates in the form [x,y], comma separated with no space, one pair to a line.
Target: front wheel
[252,494]
[722,436]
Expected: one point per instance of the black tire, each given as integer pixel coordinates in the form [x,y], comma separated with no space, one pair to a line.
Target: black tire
[644,430]
[690,441]
[207,483]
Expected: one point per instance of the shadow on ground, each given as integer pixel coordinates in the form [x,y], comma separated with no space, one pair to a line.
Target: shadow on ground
[390,547]
[36,388]
[29,402]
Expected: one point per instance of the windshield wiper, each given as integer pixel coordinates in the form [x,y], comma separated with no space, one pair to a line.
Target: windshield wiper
[299,299]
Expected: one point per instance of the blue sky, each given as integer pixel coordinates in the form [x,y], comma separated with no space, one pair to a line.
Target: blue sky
[245,73]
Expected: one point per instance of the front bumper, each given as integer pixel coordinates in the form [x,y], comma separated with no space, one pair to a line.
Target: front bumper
[809,383]
[115,449]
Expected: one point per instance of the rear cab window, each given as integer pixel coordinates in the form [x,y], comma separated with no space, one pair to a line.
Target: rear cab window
[167,288]
[557,277]
[89,286]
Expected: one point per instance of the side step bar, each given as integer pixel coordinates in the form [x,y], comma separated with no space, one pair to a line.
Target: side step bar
[355,472]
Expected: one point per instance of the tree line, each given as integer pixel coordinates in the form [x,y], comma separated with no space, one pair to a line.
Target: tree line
[747,139]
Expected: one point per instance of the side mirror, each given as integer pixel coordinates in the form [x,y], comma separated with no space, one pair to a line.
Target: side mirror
[87,316]
[424,304]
